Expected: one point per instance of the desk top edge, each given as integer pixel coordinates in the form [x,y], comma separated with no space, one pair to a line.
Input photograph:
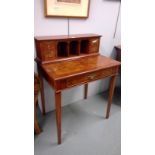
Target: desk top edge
[72,36]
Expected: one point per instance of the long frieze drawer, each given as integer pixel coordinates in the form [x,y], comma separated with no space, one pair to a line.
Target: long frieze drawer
[90,77]
[76,80]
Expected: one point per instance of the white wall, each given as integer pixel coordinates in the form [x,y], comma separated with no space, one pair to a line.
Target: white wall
[102,19]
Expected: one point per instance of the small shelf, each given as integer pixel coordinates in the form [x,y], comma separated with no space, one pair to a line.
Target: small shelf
[74,48]
[51,48]
[84,49]
[62,49]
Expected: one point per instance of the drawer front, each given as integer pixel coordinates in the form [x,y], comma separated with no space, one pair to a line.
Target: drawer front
[76,80]
[90,77]
[94,45]
[48,50]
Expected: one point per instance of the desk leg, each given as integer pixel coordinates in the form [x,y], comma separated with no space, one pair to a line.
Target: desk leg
[111,91]
[85,90]
[42,94]
[36,126]
[58,114]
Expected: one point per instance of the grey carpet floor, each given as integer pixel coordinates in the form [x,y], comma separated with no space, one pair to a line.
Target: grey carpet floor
[85,131]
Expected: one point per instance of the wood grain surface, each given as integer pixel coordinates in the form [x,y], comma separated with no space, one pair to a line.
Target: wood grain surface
[59,70]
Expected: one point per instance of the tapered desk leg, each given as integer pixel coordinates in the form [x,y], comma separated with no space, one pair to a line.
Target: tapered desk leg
[85,90]
[111,91]
[58,114]
[42,94]
[36,125]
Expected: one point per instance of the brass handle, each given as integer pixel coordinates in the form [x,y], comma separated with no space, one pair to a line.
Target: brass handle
[94,41]
[91,76]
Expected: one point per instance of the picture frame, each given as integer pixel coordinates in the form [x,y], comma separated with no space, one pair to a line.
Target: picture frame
[67,8]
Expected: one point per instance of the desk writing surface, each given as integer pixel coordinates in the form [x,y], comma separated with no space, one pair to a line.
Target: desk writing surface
[59,70]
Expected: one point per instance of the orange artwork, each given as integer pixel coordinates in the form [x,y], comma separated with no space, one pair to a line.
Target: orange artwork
[67,8]
[70,1]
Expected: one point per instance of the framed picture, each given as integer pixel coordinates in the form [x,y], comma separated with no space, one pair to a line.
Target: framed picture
[67,8]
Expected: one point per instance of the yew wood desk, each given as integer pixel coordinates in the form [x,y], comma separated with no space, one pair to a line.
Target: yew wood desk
[72,61]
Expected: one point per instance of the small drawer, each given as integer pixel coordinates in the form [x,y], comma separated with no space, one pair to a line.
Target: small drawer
[94,45]
[48,50]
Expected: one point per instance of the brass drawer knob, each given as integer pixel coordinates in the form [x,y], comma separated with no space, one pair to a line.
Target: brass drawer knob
[94,41]
[91,77]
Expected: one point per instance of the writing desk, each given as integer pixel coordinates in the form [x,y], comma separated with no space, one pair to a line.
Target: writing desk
[64,73]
